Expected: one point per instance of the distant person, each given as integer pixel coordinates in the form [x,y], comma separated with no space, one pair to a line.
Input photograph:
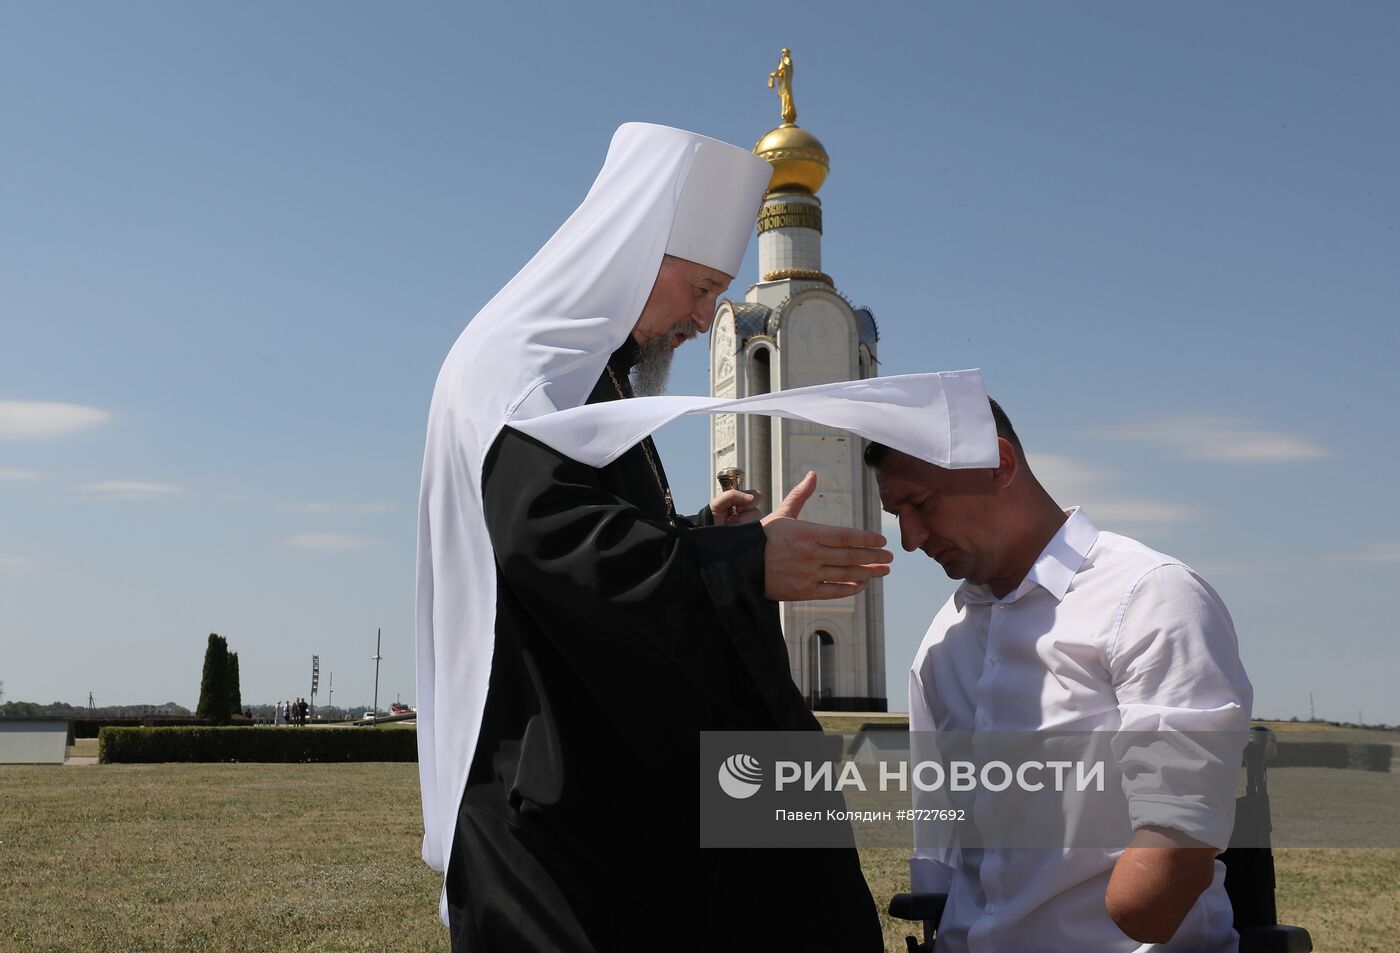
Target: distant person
[1059,626]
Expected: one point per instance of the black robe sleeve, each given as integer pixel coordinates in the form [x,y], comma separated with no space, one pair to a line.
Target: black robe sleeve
[558,533]
[572,548]
[705,517]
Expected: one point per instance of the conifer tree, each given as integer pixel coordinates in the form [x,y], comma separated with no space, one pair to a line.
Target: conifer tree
[214,695]
[235,691]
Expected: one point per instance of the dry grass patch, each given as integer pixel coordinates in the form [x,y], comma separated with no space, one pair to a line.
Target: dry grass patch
[227,857]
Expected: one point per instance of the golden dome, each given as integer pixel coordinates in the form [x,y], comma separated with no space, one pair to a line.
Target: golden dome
[798,158]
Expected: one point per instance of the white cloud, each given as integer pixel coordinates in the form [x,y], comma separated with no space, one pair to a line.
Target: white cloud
[333,542]
[18,473]
[1074,482]
[44,418]
[1375,553]
[339,507]
[1106,513]
[1220,438]
[108,490]
[1063,476]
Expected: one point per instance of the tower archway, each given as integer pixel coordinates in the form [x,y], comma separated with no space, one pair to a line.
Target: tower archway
[822,668]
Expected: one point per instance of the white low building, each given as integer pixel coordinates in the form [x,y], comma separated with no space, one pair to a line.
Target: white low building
[34,740]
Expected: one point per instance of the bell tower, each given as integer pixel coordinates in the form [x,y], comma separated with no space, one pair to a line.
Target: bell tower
[794,329]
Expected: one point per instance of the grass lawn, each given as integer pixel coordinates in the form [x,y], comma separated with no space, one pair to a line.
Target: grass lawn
[290,858]
[216,857]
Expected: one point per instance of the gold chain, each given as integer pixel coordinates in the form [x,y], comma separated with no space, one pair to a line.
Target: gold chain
[655,470]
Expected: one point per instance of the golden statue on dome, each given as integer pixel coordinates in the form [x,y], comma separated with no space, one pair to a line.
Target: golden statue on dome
[783,76]
[799,161]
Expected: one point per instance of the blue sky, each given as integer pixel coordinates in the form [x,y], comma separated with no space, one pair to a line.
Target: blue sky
[236,242]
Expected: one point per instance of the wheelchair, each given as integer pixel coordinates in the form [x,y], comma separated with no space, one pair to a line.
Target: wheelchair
[1249,870]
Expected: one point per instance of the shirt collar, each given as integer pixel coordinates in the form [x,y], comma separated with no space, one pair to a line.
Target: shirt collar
[1054,569]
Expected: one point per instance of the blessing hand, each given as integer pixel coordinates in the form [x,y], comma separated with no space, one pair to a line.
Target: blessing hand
[805,560]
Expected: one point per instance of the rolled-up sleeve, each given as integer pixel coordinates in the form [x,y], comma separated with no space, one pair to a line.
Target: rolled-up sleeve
[1184,701]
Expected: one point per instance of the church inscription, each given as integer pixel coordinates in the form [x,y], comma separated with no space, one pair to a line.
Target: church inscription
[790,215]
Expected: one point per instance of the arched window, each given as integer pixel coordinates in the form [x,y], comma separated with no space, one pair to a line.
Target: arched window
[760,426]
[823,659]
[761,372]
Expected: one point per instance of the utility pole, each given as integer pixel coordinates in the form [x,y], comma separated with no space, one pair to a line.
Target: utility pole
[91,705]
[330,694]
[1312,713]
[378,641]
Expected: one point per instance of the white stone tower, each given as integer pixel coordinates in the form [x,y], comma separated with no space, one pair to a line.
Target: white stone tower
[792,329]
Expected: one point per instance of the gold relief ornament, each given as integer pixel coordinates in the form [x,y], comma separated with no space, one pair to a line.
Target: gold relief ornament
[798,274]
[783,77]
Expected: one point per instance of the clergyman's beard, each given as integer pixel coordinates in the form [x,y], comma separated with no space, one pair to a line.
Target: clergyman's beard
[653,365]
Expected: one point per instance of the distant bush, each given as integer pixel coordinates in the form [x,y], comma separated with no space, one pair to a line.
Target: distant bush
[89,727]
[281,744]
[1333,754]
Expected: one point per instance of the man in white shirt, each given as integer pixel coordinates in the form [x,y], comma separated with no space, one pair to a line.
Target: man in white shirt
[1059,627]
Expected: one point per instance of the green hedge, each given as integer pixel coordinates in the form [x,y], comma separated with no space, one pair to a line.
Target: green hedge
[283,744]
[84,727]
[1333,754]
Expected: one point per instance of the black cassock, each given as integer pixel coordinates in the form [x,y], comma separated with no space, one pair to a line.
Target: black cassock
[619,637]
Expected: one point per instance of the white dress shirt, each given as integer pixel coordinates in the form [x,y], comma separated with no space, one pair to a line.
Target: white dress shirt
[1103,634]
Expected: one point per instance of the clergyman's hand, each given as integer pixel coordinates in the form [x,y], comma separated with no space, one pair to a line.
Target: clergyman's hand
[733,507]
[804,560]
